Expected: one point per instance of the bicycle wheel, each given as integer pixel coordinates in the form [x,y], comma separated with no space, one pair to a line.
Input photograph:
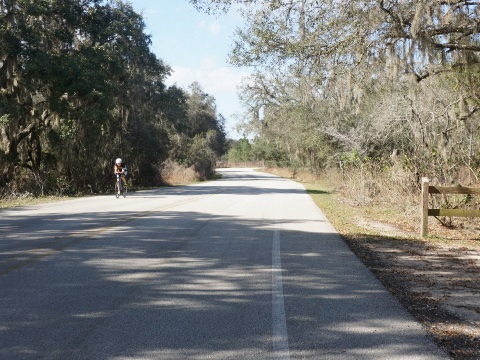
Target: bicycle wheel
[117,190]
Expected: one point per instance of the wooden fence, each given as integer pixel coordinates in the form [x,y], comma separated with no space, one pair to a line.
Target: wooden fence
[443,190]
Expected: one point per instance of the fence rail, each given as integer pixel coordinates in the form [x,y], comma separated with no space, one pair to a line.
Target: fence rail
[443,190]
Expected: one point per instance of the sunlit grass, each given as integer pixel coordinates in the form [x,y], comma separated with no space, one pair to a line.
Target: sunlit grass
[342,216]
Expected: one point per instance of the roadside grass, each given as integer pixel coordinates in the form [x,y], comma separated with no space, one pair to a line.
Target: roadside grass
[13,202]
[349,218]
[341,216]
[387,215]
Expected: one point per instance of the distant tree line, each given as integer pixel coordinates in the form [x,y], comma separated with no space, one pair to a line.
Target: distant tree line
[79,86]
[348,83]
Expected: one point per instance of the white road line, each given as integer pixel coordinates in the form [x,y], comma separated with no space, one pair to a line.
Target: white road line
[280,336]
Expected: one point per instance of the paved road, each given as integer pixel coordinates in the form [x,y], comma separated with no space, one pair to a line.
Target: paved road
[242,268]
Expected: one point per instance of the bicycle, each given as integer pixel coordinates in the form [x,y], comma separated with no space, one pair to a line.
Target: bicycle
[120,188]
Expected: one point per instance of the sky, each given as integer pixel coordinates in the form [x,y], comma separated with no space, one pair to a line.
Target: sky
[196,46]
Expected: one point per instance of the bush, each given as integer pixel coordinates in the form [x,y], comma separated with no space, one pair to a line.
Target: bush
[175,174]
[202,158]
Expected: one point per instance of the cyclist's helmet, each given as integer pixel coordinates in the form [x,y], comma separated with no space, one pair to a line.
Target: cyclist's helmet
[118,161]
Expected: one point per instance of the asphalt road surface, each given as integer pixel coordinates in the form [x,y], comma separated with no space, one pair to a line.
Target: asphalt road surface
[246,267]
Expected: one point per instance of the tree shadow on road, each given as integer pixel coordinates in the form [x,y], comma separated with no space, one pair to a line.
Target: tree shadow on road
[182,284]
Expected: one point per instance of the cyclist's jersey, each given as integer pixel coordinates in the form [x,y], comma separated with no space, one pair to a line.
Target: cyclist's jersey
[118,168]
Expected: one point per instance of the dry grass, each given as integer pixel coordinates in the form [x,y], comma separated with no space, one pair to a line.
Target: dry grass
[16,201]
[175,174]
[172,174]
[392,195]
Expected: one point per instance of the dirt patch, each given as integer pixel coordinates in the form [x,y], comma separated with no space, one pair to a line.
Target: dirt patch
[438,282]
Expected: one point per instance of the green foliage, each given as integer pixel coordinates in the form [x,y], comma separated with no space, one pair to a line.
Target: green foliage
[4,119]
[240,151]
[79,86]
[337,78]
[273,154]
[202,158]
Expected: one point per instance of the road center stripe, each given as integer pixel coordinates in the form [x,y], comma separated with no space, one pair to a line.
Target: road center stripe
[280,336]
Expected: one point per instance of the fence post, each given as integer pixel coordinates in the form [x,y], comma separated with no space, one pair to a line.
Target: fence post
[424,207]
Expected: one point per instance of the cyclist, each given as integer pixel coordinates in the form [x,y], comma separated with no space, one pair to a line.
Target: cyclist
[120,169]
